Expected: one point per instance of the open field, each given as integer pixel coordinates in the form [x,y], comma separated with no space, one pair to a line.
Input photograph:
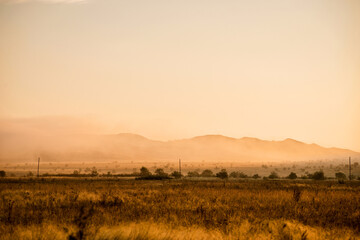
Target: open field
[109,208]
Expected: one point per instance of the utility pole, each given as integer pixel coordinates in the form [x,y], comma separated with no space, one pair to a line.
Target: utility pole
[180,166]
[349,168]
[38,171]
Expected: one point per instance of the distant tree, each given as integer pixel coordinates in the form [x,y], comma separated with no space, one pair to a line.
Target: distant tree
[319,175]
[207,173]
[340,175]
[233,175]
[2,173]
[30,174]
[94,172]
[176,174]
[222,174]
[160,172]
[193,174]
[292,175]
[144,172]
[242,175]
[273,175]
[76,172]
[256,176]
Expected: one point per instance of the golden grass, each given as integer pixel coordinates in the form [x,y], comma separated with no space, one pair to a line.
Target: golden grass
[275,229]
[119,209]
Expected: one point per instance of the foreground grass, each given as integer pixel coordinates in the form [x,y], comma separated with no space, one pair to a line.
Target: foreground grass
[275,229]
[128,209]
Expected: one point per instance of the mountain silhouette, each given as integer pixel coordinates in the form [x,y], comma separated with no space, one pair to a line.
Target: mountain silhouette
[132,147]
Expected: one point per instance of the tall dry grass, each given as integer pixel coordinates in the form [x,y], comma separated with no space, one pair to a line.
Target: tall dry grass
[129,209]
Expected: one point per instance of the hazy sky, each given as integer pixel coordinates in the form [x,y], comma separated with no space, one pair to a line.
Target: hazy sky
[170,69]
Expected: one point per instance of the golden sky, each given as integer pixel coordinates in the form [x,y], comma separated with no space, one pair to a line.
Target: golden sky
[170,69]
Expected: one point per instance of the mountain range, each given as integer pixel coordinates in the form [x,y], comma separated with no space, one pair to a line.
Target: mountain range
[22,147]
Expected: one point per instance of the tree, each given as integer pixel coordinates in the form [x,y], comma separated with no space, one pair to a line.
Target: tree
[256,176]
[94,172]
[160,172]
[319,175]
[222,174]
[207,173]
[340,175]
[273,175]
[292,175]
[176,174]
[193,174]
[144,172]
[242,175]
[233,175]
[2,173]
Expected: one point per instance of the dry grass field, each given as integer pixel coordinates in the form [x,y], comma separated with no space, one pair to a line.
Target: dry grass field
[110,208]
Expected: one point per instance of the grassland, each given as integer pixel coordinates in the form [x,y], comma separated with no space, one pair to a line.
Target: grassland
[109,208]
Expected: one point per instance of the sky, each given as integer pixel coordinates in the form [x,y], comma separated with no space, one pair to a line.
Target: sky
[172,69]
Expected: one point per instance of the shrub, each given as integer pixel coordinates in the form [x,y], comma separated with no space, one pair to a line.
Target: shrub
[233,175]
[273,175]
[256,176]
[340,175]
[144,172]
[319,175]
[160,172]
[193,174]
[176,174]
[2,173]
[222,174]
[207,173]
[292,175]
[94,172]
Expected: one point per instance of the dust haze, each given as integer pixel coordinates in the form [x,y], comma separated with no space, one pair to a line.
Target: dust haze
[67,139]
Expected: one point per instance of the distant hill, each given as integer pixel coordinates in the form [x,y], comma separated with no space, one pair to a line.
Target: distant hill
[22,147]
